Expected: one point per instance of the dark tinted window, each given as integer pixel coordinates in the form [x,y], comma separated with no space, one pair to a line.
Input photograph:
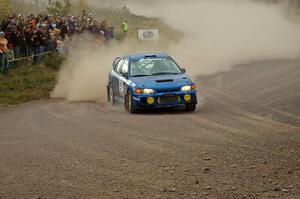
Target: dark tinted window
[125,67]
[115,64]
[120,64]
[154,66]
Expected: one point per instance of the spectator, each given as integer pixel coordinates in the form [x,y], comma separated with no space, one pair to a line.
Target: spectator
[63,29]
[14,38]
[39,43]
[32,35]
[28,36]
[23,45]
[125,28]
[10,55]
[111,34]
[5,23]
[52,42]
[3,53]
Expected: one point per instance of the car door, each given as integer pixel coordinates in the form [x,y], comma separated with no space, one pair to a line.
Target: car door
[116,76]
[113,71]
[123,73]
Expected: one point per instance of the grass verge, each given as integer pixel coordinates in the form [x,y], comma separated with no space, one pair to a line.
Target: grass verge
[26,83]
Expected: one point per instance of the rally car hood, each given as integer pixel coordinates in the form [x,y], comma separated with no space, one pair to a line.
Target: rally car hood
[161,81]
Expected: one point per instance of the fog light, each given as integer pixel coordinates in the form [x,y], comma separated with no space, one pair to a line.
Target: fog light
[150,100]
[187,98]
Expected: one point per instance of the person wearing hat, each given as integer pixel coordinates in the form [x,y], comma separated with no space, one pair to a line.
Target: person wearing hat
[3,53]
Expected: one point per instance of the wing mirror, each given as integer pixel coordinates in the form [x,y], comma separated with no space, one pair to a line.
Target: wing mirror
[183,70]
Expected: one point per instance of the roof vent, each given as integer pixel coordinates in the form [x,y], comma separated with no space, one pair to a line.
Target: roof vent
[150,56]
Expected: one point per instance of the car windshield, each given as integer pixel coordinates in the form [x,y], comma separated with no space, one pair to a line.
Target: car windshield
[154,66]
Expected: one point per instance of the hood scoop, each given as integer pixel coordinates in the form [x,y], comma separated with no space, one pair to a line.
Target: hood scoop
[164,80]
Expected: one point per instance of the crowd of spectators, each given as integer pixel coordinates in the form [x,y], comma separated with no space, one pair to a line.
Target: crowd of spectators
[35,34]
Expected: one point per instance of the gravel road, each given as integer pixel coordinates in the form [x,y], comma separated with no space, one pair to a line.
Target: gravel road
[242,142]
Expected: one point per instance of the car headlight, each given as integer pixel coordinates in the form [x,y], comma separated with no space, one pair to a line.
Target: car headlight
[188,88]
[148,91]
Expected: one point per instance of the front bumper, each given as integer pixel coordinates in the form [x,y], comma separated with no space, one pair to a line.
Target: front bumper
[160,100]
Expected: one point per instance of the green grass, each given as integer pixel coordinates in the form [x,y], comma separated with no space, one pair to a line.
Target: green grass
[26,83]
[53,61]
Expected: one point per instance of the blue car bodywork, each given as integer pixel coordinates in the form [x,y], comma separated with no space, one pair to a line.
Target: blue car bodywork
[166,90]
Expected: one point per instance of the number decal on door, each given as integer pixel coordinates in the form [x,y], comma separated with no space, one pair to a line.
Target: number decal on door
[121,88]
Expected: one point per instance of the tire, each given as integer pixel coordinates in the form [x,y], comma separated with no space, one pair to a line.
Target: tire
[111,95]
[190,108]
[129,105]
[108,93]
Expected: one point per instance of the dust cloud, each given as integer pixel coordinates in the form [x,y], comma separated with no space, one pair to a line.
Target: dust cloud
[221,33]
[84,74]
[217,34]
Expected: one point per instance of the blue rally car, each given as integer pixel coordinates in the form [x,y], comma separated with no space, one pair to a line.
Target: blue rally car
[150,81]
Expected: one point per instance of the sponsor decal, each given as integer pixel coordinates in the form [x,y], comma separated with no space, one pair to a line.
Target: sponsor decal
[136,98]
[148,34]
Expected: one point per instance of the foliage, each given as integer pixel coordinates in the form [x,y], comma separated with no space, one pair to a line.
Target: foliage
[82,5]
[59,8]
[67,8]
[6,8]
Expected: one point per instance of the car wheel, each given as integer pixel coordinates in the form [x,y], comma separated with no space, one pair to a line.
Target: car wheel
[129,105]
[108,93]
[111,95]
[190,108]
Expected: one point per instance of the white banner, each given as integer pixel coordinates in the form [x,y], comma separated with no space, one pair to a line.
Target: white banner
[148,34]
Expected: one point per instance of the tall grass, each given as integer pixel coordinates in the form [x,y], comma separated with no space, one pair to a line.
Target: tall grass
[27,83]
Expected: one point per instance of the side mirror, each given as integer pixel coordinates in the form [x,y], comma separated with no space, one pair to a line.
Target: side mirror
[183,70]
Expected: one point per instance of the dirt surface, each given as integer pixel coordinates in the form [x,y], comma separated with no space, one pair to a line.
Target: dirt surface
[243,142]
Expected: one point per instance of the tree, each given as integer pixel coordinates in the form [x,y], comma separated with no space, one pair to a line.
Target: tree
[6,8]
[82,5]
[62,9]
[67,7]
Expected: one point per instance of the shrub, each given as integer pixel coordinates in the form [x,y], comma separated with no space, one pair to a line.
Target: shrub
[53,61]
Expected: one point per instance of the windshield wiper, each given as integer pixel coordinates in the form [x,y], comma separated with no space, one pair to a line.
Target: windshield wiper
[165,73]
[140,75]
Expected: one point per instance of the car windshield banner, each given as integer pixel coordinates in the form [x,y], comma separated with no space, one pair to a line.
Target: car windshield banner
[148,34]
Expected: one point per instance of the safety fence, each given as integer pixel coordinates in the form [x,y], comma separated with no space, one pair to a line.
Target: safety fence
[30,58]
[27,60]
